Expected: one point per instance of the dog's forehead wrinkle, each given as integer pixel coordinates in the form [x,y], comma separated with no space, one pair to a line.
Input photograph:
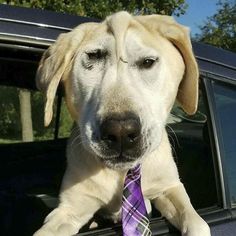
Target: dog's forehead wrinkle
[125,35]
[98,42]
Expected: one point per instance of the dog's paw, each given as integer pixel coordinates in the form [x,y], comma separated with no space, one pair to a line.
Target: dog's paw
[197,230]
[195,226]
[44,232]
[62,230]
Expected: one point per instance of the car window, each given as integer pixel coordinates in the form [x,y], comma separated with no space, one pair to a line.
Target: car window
[225,103]
[22,116]
[21,105]
[189,137]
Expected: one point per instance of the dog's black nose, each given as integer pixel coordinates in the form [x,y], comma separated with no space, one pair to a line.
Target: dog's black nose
[121,133]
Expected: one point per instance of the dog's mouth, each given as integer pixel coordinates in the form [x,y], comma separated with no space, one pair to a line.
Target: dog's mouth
[115,156]
[115,160]
[120,158]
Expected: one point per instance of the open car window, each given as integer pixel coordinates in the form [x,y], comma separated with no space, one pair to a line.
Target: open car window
[189,137]
[21,105]
[22,116]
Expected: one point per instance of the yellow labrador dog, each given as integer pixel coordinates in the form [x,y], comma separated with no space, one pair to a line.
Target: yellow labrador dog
[121,78]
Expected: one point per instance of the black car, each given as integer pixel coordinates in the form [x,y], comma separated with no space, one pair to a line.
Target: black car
[204,145]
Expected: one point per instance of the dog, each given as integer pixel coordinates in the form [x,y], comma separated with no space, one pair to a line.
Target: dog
[121,79]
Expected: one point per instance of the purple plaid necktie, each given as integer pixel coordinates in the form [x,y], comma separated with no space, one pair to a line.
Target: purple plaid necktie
[134,214]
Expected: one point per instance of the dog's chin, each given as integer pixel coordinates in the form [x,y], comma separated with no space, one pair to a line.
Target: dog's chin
[115,161]
[119,162]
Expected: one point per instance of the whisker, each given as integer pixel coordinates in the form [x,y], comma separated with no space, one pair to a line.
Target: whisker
[75,137]
[174,141]
[175,136]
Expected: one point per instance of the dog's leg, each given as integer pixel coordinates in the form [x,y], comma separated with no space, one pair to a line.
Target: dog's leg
[174,204]
[66,220]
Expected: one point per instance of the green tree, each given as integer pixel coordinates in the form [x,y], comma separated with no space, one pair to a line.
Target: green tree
[102,8]
[220,29]
[10,127]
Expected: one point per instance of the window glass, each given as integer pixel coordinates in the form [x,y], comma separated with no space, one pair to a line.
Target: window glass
[190,142]
[21,106]
[225,101]
[22,116]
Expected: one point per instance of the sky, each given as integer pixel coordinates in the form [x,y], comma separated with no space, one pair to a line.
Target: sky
[196,13]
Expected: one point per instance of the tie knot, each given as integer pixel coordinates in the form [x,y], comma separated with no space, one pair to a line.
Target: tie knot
[134,172]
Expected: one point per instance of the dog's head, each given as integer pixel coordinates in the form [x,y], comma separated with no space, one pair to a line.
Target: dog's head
[121,79]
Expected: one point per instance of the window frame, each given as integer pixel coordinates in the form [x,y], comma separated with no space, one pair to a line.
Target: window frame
[209,81]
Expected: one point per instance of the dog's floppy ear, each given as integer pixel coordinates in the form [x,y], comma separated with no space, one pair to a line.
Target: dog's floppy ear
[56,64]
[179,35]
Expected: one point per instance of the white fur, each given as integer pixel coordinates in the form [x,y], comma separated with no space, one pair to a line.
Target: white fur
[117,84]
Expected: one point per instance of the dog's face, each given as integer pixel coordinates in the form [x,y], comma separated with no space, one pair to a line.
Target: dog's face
[124,100]
[121,78]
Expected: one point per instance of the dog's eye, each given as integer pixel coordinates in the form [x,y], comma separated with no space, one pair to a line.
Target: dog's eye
[147,63]
[96,55]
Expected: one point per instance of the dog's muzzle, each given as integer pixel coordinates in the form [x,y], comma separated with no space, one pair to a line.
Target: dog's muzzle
[120,137]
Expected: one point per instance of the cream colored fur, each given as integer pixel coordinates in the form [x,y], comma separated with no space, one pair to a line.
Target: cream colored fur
[116,84]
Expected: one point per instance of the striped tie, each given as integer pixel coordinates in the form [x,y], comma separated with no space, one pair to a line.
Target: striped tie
[134,214]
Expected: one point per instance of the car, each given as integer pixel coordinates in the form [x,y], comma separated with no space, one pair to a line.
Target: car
[204,145]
